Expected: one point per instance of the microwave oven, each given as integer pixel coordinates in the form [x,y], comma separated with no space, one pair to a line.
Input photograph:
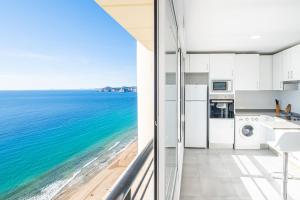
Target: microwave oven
[221,85]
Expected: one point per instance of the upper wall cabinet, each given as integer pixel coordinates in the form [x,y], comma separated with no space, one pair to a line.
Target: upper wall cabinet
[221,66]
[295,63]
[265,73]
[247,72]
[291,63]
[278,71]
[286,64]
[199,63]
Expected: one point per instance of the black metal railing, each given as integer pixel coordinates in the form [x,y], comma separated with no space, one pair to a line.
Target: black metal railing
[123,189]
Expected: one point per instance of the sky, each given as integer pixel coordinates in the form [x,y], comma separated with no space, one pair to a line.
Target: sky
[63,44]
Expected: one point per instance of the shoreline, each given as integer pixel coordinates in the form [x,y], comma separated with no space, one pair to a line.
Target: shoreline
[96,186]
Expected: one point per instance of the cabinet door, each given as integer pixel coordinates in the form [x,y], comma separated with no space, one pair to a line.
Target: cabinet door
[199,63]
[221,131]
[295,63]
[277,72]
[265,73]
[196,124]
[221,66]
[247,72]
[286,62]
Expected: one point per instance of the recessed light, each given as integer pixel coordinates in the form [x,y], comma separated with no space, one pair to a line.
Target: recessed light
[255,37]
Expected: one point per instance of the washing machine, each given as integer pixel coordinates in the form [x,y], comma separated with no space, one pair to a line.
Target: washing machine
[247,132]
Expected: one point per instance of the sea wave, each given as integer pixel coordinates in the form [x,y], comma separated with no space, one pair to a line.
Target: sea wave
[113,146]
[53,190]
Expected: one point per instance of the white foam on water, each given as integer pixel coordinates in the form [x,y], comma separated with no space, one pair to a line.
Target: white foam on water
[50,191]
[113,146]
[90,162]
[53,189]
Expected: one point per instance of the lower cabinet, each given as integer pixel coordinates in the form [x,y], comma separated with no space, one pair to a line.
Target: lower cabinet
[221,132]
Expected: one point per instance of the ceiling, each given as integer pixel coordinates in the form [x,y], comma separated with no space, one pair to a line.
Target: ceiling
[263,26]
[136,16]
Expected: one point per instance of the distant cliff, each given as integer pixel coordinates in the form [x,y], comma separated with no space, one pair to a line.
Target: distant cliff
[118,89]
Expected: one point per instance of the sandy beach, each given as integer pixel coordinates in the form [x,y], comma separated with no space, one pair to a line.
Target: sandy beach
[98,185]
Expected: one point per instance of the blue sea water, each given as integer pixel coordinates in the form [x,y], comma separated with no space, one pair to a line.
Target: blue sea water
[48,138]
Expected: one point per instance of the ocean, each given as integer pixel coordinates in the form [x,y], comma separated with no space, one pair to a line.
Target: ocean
[49,139]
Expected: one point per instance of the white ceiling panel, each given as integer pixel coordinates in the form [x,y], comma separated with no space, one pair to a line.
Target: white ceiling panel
[263,26]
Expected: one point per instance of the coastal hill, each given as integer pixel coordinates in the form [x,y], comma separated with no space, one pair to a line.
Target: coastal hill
[118,89]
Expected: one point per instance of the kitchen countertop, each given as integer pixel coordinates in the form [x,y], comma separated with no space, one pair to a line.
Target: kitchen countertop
[273,123]
[284,124]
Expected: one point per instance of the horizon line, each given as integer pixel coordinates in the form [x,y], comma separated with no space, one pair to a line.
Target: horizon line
[62,89]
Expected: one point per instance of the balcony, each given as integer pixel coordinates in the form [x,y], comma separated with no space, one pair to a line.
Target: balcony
[137,181]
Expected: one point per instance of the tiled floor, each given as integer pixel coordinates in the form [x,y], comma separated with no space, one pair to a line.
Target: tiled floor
[217,174]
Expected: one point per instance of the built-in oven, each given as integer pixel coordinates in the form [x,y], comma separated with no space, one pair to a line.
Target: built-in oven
[221,85]
[222,108]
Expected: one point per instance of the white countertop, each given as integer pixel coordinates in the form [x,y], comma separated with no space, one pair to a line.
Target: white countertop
[277,124]
[271,121]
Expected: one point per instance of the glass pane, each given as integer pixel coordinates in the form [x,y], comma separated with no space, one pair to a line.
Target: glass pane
[171,101]
[219,85]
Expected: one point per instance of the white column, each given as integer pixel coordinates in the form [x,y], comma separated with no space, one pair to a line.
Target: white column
[145,93]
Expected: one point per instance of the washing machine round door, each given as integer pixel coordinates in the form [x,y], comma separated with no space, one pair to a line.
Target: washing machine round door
[247,131]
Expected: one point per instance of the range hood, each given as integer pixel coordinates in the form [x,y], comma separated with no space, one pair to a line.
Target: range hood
[291,85]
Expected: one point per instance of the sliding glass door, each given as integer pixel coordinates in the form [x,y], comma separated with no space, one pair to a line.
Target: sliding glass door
[172,103]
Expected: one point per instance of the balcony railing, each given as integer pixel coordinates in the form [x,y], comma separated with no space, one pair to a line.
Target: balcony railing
[134,183]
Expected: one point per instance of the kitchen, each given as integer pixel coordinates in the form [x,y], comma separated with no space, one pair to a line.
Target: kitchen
[243,87]
[249,102]
[240,65]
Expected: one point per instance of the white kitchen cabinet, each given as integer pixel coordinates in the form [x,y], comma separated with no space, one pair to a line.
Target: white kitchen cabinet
[278,71]
[291,63]
[247,72]
[295,63]
[221,131]
[265,72]
[286,63]
[221,66]
[199,63]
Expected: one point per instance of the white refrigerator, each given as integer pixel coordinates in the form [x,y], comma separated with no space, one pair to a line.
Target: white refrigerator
[196,116]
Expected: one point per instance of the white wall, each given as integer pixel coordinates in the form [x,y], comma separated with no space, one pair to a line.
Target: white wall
[292,97]
[145,93]
[266,99]
[256,99]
